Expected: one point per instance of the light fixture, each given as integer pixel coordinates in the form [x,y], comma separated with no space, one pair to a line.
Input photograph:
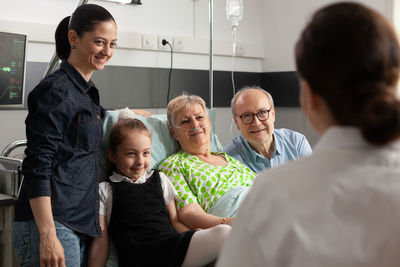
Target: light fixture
[55,60]
[127,2]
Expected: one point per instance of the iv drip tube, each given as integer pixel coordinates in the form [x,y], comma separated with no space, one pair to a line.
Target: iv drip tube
[234,13]
[233,60]
[211,69]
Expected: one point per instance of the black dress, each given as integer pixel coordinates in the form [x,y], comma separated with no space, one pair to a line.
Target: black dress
[140,226]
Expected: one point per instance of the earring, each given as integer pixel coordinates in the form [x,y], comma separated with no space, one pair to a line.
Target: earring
[73,46]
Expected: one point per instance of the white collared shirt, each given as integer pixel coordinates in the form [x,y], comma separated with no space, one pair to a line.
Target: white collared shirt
[105,190]
[338,207]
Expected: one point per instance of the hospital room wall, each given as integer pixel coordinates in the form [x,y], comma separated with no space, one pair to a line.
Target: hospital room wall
[270,25]
[282,24]
[186,19]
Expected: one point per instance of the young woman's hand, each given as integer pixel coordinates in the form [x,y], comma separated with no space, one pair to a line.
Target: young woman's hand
[51,251]
[50,248]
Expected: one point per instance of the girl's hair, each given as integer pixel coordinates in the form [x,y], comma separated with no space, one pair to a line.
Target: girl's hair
[84,19]
[350,56]
[184,100]
[118,131]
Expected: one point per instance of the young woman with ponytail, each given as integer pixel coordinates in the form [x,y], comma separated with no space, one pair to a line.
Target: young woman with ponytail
[58,206]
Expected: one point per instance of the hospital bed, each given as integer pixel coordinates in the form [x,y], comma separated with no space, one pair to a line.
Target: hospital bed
[10,183]
[11,178]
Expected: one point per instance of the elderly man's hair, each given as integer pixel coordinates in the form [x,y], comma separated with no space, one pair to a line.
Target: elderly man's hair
[246,88]
[179,102]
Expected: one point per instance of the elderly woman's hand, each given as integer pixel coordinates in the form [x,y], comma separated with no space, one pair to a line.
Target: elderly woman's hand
[195,217]
[228,220]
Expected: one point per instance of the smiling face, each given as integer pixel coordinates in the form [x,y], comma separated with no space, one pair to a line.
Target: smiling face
[93,49]
[258,132]
[191,128]
[132,156]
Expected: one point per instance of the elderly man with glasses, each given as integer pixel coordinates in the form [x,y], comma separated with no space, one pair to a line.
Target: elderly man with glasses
[260,145]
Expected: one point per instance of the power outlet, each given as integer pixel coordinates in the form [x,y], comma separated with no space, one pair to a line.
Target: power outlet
[178,44]
[149,41]
[160,45]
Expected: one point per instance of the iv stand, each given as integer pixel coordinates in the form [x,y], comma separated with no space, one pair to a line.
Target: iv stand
[211,68]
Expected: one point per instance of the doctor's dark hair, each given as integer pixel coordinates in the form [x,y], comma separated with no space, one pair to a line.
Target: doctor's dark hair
[84,19]
[350,57]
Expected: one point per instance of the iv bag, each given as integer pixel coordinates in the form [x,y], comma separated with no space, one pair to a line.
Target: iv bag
[234,11]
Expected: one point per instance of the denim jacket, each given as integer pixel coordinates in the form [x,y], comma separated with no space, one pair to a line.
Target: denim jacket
[63,129]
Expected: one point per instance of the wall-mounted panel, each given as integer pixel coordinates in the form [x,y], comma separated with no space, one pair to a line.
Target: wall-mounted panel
[143,87]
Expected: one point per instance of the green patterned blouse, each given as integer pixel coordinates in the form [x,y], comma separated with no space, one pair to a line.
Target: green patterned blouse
[202,183]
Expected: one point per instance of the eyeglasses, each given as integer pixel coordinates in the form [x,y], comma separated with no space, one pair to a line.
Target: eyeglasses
[248,118]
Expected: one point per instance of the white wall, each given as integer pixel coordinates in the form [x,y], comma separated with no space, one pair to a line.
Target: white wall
[12,126]
[282,24]
[187,20]
[283,21]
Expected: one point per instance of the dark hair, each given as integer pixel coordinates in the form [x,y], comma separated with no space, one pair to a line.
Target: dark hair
[84,19]
[117,132]
[350,56]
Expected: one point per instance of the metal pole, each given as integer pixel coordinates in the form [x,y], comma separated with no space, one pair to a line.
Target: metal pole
[54,59]
[211,68]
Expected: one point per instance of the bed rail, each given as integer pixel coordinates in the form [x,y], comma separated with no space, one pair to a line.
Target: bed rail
[11,146]
[11,176]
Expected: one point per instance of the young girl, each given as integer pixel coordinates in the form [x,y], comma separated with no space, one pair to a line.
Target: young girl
[138,209]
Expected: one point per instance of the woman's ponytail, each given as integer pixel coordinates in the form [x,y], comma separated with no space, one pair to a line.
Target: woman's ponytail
[63,48]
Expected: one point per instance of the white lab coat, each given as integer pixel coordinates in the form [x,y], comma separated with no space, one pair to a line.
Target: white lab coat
[338,207]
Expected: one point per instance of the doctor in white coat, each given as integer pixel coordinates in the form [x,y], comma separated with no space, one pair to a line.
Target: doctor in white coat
[341,205]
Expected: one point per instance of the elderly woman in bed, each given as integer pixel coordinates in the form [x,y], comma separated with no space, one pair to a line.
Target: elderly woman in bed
[210,185]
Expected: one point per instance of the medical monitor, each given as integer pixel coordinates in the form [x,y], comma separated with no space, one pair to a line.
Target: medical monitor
[12,69]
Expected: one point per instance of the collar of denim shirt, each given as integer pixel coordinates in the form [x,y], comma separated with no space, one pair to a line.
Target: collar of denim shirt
[76,77]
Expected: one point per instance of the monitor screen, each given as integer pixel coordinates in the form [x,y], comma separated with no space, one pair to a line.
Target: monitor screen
[12,69]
